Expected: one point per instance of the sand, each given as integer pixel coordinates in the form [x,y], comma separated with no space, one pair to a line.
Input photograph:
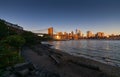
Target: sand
[67,65]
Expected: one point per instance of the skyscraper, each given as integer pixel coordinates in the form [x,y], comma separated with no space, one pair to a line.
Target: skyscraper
[89,34]
[50,31]
[100,34]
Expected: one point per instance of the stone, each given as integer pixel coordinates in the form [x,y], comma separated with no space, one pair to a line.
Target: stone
[23,73]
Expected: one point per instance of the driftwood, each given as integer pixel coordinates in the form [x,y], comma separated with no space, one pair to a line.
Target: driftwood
[54,58]
[23,66]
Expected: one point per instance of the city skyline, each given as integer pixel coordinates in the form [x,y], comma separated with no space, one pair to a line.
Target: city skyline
[64,15]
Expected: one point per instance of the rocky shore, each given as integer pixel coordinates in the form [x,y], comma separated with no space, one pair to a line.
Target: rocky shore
[49,62]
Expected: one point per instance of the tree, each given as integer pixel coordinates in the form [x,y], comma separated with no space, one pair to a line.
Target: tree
[3,30]
[15,41]
[9,48]
[30,38]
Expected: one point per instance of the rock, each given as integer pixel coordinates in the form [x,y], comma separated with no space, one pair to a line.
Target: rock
[55,59]
[23,73]
[9,68]
[13,75]
[6,74]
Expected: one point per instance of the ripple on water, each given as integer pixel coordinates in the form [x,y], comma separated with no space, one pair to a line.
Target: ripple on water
[106,51]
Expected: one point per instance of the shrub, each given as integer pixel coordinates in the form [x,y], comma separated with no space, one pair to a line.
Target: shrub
[15,41]
[3,30]
[30,38]
[9,48]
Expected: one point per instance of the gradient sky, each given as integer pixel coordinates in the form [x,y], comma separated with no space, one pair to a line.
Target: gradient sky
[63,15]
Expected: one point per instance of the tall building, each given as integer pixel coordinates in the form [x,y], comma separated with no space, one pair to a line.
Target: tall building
[100,34]
[50,31]
[76,31]
[89,34]
[72,33]
[79,33]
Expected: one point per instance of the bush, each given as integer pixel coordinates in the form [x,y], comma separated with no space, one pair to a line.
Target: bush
[15,41]
[30,38]
[9,48]
[3,30]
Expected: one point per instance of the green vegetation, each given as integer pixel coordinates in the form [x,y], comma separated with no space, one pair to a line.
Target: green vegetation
[15,41]
[30,38]
[11,42]
[9,50]
[3,30]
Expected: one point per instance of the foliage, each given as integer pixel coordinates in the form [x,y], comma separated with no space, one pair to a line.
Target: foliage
[10,59]
[9,56]
[3,30]
[14,41]
[9,48]
[30,38]
[10,43]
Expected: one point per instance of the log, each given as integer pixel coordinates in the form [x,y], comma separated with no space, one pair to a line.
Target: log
[54,58]
[23,66]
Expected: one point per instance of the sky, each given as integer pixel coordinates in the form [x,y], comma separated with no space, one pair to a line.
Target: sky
[63,15]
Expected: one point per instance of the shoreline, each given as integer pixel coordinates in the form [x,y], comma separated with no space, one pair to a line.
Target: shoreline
[72,66]
[106,68]
[106,52]
[102,60]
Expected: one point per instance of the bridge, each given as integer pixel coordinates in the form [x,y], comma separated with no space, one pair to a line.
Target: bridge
[49,31]
[56,35]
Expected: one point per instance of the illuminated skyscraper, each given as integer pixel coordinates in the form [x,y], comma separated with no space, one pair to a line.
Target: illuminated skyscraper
[50,31]
[100,34]
[79,33]
[89,34]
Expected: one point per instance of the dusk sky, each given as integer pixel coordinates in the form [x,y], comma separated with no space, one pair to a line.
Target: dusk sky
[63,15]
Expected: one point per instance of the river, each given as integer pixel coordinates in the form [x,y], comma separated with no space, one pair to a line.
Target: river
[105,51]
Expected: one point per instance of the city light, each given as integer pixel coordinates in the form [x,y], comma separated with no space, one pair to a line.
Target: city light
[57,37]
[79,35]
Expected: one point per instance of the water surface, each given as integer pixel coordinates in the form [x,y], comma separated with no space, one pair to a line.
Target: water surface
[106,51]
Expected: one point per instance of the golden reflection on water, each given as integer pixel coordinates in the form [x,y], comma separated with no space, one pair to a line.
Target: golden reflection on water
[107,46]
[101,50]
[58,45]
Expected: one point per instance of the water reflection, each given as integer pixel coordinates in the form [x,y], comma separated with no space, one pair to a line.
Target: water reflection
[107,46]
[102,50]
[57,45]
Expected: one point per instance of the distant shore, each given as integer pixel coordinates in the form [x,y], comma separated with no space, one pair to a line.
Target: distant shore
[67,65]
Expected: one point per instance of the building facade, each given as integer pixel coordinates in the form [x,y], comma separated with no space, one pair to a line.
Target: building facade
[89,34]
